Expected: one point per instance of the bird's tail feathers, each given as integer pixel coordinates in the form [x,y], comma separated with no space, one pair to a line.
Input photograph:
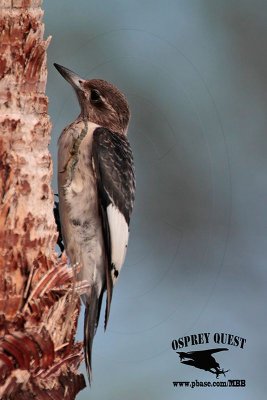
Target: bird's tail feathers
[109,296]
[91,318]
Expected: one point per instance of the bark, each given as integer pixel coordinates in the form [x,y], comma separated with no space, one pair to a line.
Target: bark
[38,355]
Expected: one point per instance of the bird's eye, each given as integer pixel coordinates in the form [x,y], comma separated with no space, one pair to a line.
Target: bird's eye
[95,96]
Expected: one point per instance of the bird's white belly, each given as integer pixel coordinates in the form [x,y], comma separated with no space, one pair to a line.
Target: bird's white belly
[85,242]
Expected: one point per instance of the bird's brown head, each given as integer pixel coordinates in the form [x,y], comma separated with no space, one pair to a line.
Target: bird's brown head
[100,101]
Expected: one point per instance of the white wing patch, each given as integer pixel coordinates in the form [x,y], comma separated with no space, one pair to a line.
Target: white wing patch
[119,235]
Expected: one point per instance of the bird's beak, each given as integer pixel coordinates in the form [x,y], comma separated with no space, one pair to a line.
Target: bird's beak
[75,80]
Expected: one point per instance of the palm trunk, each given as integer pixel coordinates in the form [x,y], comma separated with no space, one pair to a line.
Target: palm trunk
[38,356]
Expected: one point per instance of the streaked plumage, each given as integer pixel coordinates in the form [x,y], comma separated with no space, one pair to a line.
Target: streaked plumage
[96,192]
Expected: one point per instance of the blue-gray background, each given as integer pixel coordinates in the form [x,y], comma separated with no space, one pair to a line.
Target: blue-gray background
[195,74]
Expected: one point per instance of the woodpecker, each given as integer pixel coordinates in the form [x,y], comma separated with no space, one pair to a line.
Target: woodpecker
[96,184]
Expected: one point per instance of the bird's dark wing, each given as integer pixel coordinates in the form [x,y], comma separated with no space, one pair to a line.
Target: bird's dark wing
[114,170]
[189,362]
[210,351]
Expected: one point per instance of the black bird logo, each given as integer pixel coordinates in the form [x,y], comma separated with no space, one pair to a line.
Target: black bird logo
[203,360]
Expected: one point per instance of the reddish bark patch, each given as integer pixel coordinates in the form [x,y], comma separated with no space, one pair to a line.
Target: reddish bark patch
[5,173]
[45,189]
[3,64]
[25,188]
[8,239]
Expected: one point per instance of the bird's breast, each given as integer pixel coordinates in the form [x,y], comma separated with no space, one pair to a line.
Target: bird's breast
[74,154]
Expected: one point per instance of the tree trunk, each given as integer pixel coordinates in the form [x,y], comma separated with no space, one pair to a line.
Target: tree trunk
[38,356]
